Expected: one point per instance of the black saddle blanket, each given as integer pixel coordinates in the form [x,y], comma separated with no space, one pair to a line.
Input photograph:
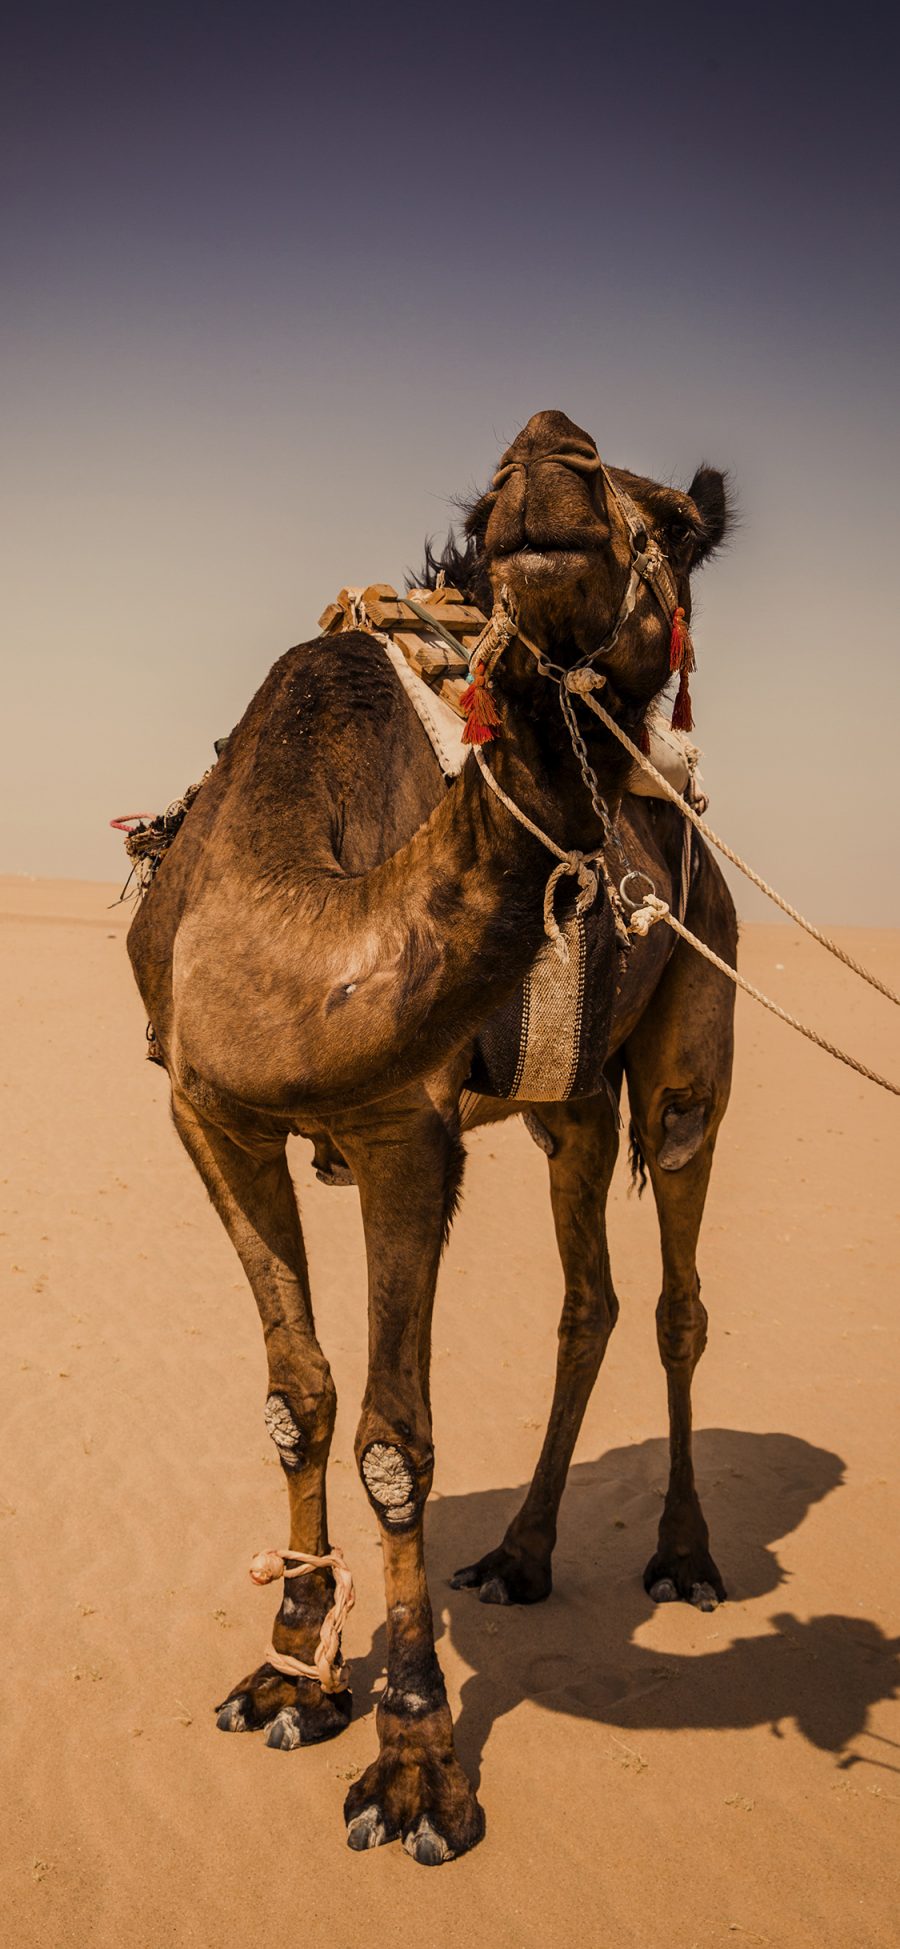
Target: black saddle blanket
[550,1040]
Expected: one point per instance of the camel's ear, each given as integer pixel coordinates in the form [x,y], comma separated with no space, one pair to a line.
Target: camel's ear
[709,492]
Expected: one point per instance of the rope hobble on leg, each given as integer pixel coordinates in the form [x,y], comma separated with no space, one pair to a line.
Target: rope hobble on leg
[328,1668]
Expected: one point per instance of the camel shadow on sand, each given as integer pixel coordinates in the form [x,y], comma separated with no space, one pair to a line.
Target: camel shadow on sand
[578,1654]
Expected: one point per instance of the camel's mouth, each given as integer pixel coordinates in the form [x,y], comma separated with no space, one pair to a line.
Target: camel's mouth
[552,558]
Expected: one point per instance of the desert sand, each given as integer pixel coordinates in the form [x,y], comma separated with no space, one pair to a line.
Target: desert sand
[656,1778]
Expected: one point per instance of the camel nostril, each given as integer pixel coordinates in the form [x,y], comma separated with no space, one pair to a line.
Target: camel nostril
[576,458]
[579,460]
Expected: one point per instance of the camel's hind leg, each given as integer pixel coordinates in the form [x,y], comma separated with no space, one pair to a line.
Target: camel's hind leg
[678,1065]
[586,1139]
[250,1186]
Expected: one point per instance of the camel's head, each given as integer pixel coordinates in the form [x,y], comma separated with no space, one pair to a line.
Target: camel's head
[553,529]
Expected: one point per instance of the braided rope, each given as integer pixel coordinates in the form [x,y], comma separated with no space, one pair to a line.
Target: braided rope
[688,812]
[327,1667]
[652,909]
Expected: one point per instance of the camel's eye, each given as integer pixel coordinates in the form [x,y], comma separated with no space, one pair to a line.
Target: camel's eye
[679,533]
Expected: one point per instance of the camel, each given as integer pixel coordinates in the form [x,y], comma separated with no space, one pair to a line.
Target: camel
[316,954]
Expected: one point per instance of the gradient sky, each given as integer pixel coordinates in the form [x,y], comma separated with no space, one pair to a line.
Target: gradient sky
[280,283]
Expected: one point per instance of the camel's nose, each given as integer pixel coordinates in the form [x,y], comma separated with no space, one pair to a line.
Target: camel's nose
[549,435]
[545,429]
[549,490]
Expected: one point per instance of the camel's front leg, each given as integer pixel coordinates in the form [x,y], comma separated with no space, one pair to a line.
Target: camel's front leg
[416,1789]
[250,1186]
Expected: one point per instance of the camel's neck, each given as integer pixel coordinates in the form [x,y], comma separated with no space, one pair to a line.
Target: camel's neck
[535,760]
[419,951]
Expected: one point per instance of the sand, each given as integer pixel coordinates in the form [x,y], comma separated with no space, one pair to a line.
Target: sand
[650,1777]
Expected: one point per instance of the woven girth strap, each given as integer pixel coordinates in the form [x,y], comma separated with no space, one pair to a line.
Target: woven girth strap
[327,1668]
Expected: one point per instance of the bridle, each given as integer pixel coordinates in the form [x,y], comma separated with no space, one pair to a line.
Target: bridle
[647,565]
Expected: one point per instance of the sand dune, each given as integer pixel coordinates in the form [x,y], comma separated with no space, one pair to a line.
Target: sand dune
[660,1778]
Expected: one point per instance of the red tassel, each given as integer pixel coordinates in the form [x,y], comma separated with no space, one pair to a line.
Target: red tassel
[681,658]
[680,645]
[482,717]
[682,715]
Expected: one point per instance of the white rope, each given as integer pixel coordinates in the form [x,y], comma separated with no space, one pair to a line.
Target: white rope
[688,812]
[578,865]
[653,909]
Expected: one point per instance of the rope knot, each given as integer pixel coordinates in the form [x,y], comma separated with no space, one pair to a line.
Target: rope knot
[483,721]
[267,1566]
[582,682]
[496,636]
[571,866]
[647,914]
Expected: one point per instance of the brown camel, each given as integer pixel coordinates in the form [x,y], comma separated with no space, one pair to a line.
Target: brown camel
[321,943]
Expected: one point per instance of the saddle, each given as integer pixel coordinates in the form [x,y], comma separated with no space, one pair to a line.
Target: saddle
[433,670]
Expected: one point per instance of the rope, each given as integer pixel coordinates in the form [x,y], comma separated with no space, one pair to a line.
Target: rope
[148,837]
[327,1667]
[688,812]
[579,866]
[495,637]
[652,909]
[571,681]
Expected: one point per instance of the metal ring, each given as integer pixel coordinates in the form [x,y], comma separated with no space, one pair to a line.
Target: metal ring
[635,874]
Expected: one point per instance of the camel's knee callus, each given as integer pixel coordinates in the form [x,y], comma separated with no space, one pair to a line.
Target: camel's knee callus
[390,1481]
[285,1432]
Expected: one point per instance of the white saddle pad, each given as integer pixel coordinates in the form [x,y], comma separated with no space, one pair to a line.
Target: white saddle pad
[671,752]
[443,726]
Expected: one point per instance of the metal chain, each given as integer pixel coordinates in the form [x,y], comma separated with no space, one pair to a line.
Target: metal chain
[608,825]
[588,773]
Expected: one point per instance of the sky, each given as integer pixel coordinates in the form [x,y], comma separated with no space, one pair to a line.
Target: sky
[280,282]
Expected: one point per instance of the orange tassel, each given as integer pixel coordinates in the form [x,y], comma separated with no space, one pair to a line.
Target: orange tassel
[482,717]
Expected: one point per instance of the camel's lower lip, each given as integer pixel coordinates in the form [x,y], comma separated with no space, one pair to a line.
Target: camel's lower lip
[547,560]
